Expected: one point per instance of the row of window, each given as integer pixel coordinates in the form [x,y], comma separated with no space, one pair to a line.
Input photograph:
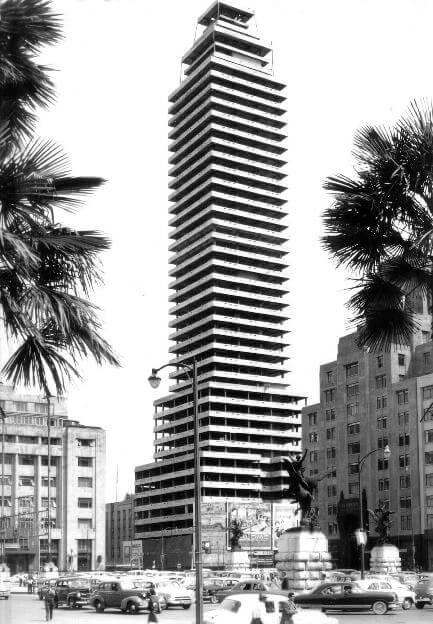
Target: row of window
[405,523]
[27,481]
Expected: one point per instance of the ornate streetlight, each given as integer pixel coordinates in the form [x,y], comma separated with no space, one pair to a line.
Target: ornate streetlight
[154,381]
[360,534]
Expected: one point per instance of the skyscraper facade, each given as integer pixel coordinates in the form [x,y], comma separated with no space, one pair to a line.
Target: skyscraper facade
[369,401]
[229,256]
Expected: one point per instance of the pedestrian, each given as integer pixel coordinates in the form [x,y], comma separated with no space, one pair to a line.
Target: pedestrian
[49,603]
[152,615]
[29,585]
[284,582]
[288,610]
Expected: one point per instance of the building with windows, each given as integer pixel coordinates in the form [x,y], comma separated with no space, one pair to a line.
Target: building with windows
[228,244]
[72,521]
[119,528]
[369,401]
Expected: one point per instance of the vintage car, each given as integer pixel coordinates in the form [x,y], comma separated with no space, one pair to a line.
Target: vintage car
[174,594]
[120,594]
[239,609]
[157,598]
[212,585]
[249,585]
[347,597]
[405,596]
[424,591]
[5,588]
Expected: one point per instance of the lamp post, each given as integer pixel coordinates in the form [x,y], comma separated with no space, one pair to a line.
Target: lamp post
[154,381]
[360,534]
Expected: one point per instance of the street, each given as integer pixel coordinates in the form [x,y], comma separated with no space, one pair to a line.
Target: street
[26,609]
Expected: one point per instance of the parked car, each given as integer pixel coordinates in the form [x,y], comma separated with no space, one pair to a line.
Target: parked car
[120,594]
[239,608]
[249,585]
[157,598]
[72,591]
[424,590]
[405,596]
[348,597]
[174,594]
[5,588]
[214,584]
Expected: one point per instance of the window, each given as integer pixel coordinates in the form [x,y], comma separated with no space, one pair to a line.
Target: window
[53,441]
[332,472]
[428,414]
[28,439]
[429,518]
[429,479]
[352,409]
[353,468]
[354,488]
[329,395]
[428,435]
[401,377]
[401,359]
[331,452]
[26,460]
[382,422]
[403,419]
[382,464]
[26,481]
[429,501]
[85,503]
[330,414]
[44,461]
[427,393]
[312,419]
[332,490]
[382,442]
[403,396]
[332,510]
[381,402]
[428,457]
[353,428]
[425,336]
[44,481]
[353,448]
[330,433]
[383,485]
[85,461]
[332,528]
[352,390]
[404,439]
[404,460]
[85,523]
[380,381]
[85,442]
[329,376]
[44,502]
[86,482]
[25,502]
[314,472]
[426,358]
[20,406]
[351,369]
[379,361]
[406,523]
[405,502]
[313,457]
[404,481]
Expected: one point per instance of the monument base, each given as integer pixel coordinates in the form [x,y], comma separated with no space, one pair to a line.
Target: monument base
[385,559]
[237,559]
[303,555]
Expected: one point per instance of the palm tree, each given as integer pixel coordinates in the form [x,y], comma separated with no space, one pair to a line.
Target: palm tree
[380,226]
[47,270]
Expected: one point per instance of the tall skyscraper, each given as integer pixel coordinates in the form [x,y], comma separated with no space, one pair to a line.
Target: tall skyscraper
[229,282]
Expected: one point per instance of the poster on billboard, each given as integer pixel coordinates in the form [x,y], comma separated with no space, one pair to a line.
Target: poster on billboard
[256,522]
[213,526]
[284,517]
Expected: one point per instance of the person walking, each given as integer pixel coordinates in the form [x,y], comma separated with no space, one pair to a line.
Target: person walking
[288,610]
[284,582]
[49,603]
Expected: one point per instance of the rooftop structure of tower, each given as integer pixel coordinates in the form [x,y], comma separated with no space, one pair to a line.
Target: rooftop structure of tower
[229,280]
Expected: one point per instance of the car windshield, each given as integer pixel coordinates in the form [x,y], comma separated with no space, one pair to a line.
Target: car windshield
[231,605]
[80,583]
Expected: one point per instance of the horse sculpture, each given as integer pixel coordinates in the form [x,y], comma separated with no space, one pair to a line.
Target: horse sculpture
[301,489]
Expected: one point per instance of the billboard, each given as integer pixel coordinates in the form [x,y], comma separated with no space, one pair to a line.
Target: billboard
[132,552]
[213,525]
[256,522]
[283,517]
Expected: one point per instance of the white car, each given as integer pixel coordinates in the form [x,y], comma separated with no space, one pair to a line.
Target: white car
[174,594]
[240,608]
[406,596]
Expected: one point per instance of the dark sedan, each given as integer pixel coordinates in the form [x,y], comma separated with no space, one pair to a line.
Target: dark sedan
[347,597]
[250,586]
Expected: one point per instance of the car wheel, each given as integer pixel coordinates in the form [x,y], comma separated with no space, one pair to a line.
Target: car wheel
[98,606]
[72,603]
[379,607]
[213,599]
[186,606]
[132,608]
[419,605]
[406,604]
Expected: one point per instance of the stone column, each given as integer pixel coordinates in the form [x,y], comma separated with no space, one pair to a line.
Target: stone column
[303,555]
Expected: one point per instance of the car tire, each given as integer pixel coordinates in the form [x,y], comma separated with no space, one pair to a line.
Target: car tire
[214,599]
[186,606]
[407,603]
[379,607]
[132,608]
[98,606]
[72,603]
[419,605]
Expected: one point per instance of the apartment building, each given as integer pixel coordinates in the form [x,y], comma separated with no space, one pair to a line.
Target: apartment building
[369,401]
[229,261]
[119,528]
[68,529]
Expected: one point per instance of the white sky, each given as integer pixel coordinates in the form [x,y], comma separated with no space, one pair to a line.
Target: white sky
[347,63]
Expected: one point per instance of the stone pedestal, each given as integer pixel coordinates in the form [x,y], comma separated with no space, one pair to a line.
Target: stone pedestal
[385,559]
[303,555]
[237,559]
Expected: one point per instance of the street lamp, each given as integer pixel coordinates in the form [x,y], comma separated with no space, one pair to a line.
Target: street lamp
[154,381]
[361,537]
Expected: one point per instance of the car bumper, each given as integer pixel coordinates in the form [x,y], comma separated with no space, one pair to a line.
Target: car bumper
[424,599]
